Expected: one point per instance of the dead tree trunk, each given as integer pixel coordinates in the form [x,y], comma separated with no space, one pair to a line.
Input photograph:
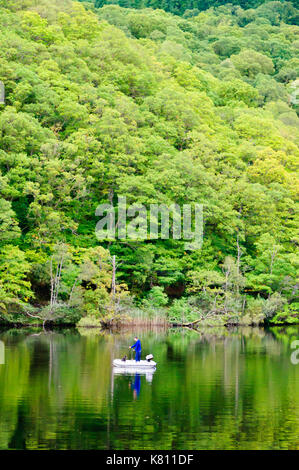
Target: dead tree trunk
[113,283]
[239,253]
[55,283]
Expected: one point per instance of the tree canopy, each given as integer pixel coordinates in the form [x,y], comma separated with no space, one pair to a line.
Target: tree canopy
[157,108]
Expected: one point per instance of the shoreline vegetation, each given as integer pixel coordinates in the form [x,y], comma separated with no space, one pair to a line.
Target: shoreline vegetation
[213,323]
[226,307]
[160,108]
[174,316]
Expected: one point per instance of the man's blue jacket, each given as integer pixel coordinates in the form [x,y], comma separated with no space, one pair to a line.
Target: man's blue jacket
[137,346]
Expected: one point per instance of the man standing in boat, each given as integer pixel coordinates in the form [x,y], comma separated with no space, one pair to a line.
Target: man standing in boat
[137,347]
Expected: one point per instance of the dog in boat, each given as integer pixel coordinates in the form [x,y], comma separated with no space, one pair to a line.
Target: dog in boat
[124,358]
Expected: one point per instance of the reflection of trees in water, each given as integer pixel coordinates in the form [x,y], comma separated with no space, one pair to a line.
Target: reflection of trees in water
[213,388]
[60,371]
[18,438]
[235,368]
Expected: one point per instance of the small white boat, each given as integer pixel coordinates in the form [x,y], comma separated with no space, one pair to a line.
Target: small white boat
[131,364]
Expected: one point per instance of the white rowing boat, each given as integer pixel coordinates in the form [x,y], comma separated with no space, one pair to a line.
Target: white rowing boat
[131,364]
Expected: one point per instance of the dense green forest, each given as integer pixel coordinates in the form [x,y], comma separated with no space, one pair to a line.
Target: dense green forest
[158,108]
[193,7]
[188,8]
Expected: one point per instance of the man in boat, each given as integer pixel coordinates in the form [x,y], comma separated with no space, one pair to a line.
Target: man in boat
[137,347]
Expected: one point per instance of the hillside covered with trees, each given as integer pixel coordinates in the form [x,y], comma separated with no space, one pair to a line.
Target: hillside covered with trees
[193,7]
[160,108]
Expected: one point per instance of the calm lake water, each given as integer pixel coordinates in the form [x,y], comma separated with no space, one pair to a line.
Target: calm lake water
[213,389]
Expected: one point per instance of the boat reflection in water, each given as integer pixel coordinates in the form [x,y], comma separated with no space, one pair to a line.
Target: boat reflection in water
[135,372]
[136,386]
[149,373]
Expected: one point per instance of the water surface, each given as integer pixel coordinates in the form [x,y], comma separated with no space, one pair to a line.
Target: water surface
[213,389]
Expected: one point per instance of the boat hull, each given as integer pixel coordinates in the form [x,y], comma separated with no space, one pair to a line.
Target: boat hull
[133,364]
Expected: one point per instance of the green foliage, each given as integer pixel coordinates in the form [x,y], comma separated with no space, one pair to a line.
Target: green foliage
[182,312]
[274,304]
[14,288]
[159,108]
[289,315]
[89,322]
[250,63]
[65,315]
[8,224]
[156,297]
[275,12]
[89,290]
